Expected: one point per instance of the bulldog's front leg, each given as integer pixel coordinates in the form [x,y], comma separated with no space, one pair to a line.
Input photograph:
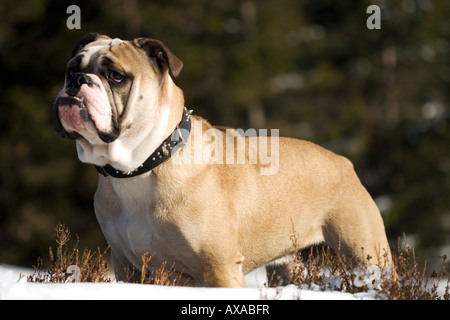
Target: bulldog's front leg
[225,273]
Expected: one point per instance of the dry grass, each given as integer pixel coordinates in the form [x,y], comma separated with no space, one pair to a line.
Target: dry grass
[321,268]
[317,268]
[68,265]
[90,266]
[149,274]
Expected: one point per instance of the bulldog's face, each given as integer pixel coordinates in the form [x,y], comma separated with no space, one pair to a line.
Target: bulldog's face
[117,99]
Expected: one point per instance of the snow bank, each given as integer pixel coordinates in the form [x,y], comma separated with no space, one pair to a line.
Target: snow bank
[14,286]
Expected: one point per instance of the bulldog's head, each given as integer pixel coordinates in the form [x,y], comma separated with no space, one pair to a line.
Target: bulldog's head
[119,101]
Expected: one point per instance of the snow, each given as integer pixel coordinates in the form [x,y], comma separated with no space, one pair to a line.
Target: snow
[14,286]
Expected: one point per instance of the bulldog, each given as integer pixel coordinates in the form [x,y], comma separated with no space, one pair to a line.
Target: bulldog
[214,220]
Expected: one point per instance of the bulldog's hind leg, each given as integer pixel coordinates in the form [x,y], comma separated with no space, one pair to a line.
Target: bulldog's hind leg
[355,226]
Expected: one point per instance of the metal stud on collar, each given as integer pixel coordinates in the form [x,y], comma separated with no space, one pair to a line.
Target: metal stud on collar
[160,155]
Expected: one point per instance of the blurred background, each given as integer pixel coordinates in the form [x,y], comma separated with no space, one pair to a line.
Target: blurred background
[309,68]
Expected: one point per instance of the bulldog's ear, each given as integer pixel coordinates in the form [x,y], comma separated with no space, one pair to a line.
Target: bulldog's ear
[165,59]
[90,37]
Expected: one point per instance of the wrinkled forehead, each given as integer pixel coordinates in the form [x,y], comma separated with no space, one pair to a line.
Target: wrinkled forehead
[94,53]
[100,45]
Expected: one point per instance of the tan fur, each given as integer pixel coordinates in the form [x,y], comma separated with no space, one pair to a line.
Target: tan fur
[219,221]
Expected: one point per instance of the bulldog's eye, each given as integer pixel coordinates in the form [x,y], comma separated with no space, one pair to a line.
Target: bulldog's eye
[116,76]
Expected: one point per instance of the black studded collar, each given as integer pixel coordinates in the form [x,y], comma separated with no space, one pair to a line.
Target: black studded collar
[165,150]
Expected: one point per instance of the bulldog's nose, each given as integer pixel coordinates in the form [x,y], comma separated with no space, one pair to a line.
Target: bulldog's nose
[75,81]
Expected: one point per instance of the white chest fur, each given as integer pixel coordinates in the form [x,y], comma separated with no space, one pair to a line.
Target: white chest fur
[126,216]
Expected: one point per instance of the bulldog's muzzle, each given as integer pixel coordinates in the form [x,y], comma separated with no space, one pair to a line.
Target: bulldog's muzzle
[82,109]
[75,81]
